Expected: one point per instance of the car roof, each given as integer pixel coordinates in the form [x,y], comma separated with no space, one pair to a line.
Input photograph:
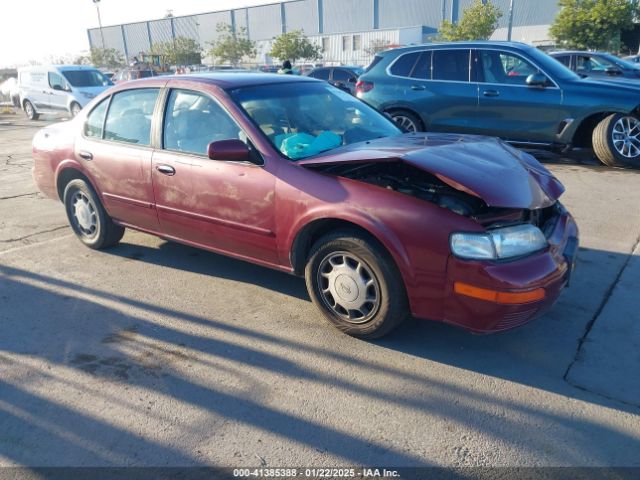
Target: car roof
[581,52]
[464,44]
[236,79]
[62,68]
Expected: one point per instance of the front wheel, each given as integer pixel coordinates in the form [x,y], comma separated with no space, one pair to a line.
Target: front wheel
[75,109]
[88,218]
[30,111]
[616,140]
[356,285]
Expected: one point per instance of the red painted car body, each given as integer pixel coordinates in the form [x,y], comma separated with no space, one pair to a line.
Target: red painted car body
[271,214]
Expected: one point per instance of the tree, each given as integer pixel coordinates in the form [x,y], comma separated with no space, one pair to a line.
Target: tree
[232,45]
[379,45]
[106,57]
[593,24]
[179,51]
[478,22]
[294,45]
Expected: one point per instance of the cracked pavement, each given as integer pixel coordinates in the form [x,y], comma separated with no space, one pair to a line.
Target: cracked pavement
[156,354]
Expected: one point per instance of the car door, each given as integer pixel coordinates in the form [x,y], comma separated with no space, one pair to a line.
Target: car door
[437,85]
[221,205]
[511,109]
[115,149]
[57,92]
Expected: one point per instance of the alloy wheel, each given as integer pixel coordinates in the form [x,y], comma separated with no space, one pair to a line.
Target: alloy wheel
[405,123]
[626,137]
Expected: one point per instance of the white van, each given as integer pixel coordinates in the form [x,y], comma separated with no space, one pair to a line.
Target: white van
[59,88]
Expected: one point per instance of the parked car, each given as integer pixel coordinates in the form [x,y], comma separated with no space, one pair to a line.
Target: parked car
[293,174]
[344,78]
[598,65]
[133,73]
[58,88]
[504,89]
[635,59]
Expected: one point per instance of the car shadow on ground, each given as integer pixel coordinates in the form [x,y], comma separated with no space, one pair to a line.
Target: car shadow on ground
[538,354]
[142,352]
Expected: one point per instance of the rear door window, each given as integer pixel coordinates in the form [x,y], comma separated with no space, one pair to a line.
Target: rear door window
[129,116]
[322,74]
[403,66]
[340,75]
[451,65]
[564,59]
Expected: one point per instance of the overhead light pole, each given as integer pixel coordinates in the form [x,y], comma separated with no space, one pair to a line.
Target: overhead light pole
[510,28]
[97,4]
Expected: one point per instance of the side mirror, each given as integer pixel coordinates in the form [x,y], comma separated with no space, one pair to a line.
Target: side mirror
[231,150]
[613,71]
[537,80]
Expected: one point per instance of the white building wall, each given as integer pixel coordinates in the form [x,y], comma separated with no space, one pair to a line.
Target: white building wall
[533,34]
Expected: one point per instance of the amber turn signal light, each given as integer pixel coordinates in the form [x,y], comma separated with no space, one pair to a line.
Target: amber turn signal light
[495,296]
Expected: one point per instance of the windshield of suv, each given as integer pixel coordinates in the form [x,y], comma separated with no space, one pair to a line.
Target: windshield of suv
[304,119]
[86,78]
[551,66]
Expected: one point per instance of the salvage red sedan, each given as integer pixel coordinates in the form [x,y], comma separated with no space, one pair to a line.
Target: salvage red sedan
[294,174]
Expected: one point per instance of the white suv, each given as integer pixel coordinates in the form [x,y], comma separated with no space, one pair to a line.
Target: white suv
[59,88]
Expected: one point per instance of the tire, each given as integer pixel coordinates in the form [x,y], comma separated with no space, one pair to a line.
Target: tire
[88,218]
[332,272]
[74,109]
[407,121]
[616,140]
[30,111]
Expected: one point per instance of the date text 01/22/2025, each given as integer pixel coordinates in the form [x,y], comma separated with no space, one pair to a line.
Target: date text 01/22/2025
[315,472]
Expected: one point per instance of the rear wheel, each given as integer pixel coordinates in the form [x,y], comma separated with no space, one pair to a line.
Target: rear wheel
[407,121]
[30,111]
[616,140]
[87,217]
[356,285]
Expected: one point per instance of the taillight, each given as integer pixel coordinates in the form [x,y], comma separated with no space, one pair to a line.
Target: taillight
[363,87]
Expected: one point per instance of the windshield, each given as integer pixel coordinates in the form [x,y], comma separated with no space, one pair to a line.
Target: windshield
[304,119]
[86,78]
[551,66]
[621,63]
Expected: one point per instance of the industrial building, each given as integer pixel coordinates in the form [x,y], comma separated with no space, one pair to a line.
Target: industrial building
[346,29]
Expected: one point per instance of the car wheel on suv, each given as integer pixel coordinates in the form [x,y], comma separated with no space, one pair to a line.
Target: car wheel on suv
[407,121]
[616,140]
[356,285]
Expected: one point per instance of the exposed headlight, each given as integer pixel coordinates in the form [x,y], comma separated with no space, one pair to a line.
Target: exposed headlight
[500,243]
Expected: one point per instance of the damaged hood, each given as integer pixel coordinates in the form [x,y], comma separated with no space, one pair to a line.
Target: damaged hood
[485,167]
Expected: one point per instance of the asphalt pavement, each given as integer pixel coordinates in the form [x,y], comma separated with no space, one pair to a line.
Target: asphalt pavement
[157,354]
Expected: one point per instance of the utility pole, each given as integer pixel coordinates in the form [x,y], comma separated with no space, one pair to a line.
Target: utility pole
[510,28]
[97,4]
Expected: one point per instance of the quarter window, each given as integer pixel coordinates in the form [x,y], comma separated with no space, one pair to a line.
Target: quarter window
[95,120]
[129,116]
[451,65]
[404,65]
[194,120]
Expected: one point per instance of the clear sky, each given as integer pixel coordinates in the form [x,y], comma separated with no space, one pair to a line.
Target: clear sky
[39,29]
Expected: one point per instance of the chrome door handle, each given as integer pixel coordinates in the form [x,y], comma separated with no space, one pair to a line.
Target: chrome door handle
[417,87]
[491,93]
[86,155]
[166,169]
